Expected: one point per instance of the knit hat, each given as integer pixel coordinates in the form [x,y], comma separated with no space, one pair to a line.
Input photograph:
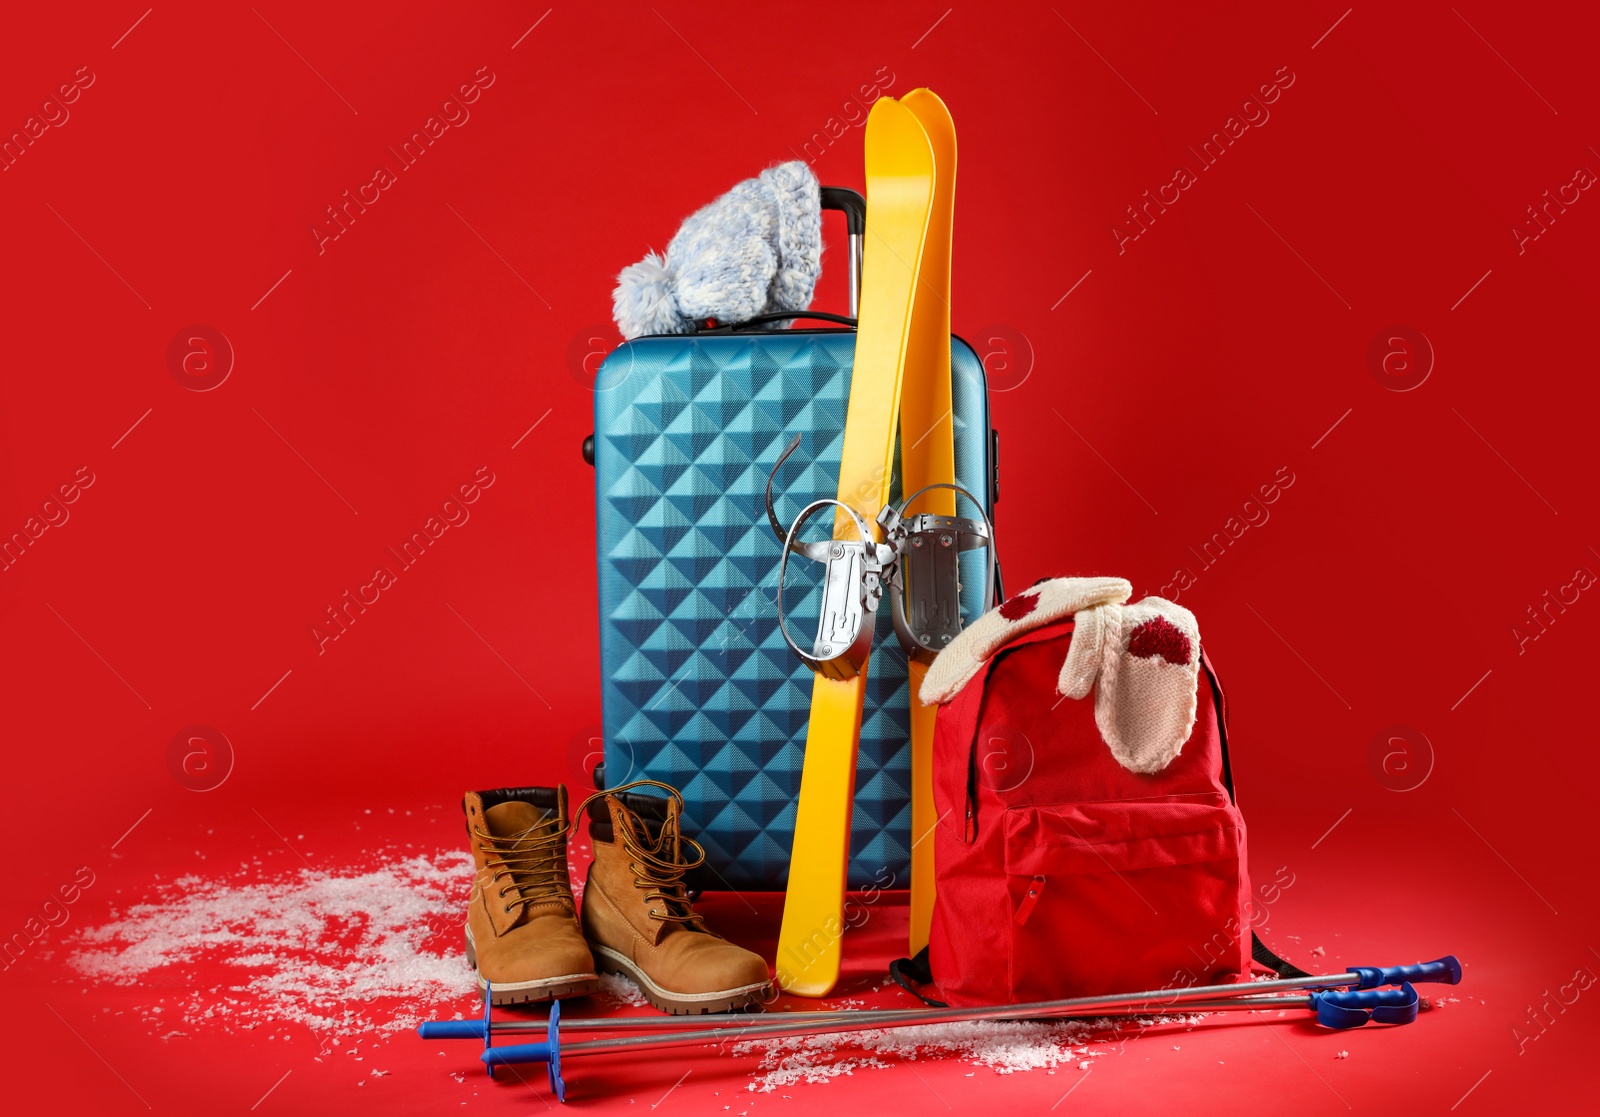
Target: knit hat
[755,250]
[1142,661]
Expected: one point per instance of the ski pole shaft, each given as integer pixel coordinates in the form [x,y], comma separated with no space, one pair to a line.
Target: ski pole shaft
[474,1029]
[653,1039]
[1153,1002]
[1446,970]
[869,1021]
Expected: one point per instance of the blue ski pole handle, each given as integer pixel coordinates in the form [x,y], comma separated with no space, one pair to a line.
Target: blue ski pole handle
[548,1053]
[1351,1008]
[1446,970]
[1403,1012]
[1368,998]
[516,1053]
[452,1029]
[461,1029]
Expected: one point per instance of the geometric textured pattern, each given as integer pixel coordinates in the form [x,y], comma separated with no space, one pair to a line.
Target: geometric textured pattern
[699,689]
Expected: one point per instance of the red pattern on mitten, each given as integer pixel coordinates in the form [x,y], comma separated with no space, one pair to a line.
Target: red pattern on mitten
[1159,637]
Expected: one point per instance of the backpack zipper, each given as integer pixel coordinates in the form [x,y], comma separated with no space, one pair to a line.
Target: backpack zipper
[1025,909]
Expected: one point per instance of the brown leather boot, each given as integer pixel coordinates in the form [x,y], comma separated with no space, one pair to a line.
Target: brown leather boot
[638,919]
[523,935]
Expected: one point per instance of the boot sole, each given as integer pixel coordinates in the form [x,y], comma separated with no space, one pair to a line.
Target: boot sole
[533,992]
[678,1004]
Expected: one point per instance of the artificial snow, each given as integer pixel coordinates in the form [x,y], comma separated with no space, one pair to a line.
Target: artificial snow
[342,952]
[621,990]
[1006,1047]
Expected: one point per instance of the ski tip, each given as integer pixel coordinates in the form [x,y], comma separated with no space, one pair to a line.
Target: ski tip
[927,98]
[897,142]
[935,117]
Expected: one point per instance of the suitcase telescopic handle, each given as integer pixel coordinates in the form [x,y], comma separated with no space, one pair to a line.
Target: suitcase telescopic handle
[854,208]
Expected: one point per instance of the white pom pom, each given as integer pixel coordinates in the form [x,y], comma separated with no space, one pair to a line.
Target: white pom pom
[644,303]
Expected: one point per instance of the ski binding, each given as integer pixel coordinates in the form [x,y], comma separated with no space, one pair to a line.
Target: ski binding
[925,582]
[918,562]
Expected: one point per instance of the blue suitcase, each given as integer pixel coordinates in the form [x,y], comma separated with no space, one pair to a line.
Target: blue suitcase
[699,690]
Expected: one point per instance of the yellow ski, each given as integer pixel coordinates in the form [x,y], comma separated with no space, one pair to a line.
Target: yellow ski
[927,457]
[900,196]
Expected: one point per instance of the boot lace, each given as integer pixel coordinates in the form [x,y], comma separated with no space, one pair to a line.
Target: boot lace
[533,860]
[657,870]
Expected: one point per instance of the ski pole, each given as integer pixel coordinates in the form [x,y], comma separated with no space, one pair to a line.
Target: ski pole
[1139,1004]
[1155,1002]
[1335,1009]
[1330,1006]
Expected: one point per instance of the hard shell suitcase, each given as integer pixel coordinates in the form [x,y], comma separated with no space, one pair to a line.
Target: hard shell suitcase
[698,688]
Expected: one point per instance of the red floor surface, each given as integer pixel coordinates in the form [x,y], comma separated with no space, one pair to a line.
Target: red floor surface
[103,1048]
[1380,298]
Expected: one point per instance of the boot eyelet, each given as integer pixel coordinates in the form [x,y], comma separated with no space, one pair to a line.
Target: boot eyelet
[508,909]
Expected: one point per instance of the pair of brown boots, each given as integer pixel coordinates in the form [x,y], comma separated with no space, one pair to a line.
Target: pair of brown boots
[526,938]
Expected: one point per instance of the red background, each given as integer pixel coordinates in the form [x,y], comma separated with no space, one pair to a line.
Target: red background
[1227,342]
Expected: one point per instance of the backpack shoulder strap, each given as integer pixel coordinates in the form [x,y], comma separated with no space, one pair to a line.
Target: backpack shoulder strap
[1259,950]
[1220,702]
[910,972]
[1264,955]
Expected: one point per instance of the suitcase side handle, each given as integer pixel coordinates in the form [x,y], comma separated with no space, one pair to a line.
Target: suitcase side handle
[854,207]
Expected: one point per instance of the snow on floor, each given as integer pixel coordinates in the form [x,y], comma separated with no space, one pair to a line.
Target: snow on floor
[368,949]
[621,990]
[1006,1047]
[364,952]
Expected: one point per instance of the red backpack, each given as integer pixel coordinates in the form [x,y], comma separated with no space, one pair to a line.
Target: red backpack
[1085,845]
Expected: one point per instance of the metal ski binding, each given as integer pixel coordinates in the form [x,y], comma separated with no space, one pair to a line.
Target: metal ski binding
[925,583]
[919,559]
[852,585]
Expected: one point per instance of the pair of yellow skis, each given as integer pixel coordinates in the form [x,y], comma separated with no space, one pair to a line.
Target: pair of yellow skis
[901,379]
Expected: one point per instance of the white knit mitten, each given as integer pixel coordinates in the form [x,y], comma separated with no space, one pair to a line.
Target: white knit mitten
[1149,678]
[1141,661]
[1054,600]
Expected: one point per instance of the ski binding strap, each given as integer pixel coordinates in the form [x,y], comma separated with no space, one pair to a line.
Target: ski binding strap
[852,586]
[925,584]
[856,572]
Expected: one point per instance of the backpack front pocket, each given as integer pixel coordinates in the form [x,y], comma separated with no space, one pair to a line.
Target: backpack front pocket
[1125,896]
